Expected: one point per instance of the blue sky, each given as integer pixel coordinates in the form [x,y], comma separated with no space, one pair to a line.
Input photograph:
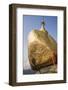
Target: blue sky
[32,22]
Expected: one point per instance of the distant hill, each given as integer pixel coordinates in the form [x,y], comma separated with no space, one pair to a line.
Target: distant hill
[29,71]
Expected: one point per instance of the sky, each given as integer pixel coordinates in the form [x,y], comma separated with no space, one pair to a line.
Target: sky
[31,22]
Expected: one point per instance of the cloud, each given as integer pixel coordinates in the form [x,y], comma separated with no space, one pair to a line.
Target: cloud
[26,64]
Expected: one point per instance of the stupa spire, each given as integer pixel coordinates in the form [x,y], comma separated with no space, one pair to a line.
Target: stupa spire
[43,25]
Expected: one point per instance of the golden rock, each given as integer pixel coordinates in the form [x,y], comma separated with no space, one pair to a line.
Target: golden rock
[42,49]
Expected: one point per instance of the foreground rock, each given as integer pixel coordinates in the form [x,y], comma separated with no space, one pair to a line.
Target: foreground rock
[48,69]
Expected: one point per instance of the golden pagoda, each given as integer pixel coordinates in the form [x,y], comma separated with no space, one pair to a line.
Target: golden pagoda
[42,48]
